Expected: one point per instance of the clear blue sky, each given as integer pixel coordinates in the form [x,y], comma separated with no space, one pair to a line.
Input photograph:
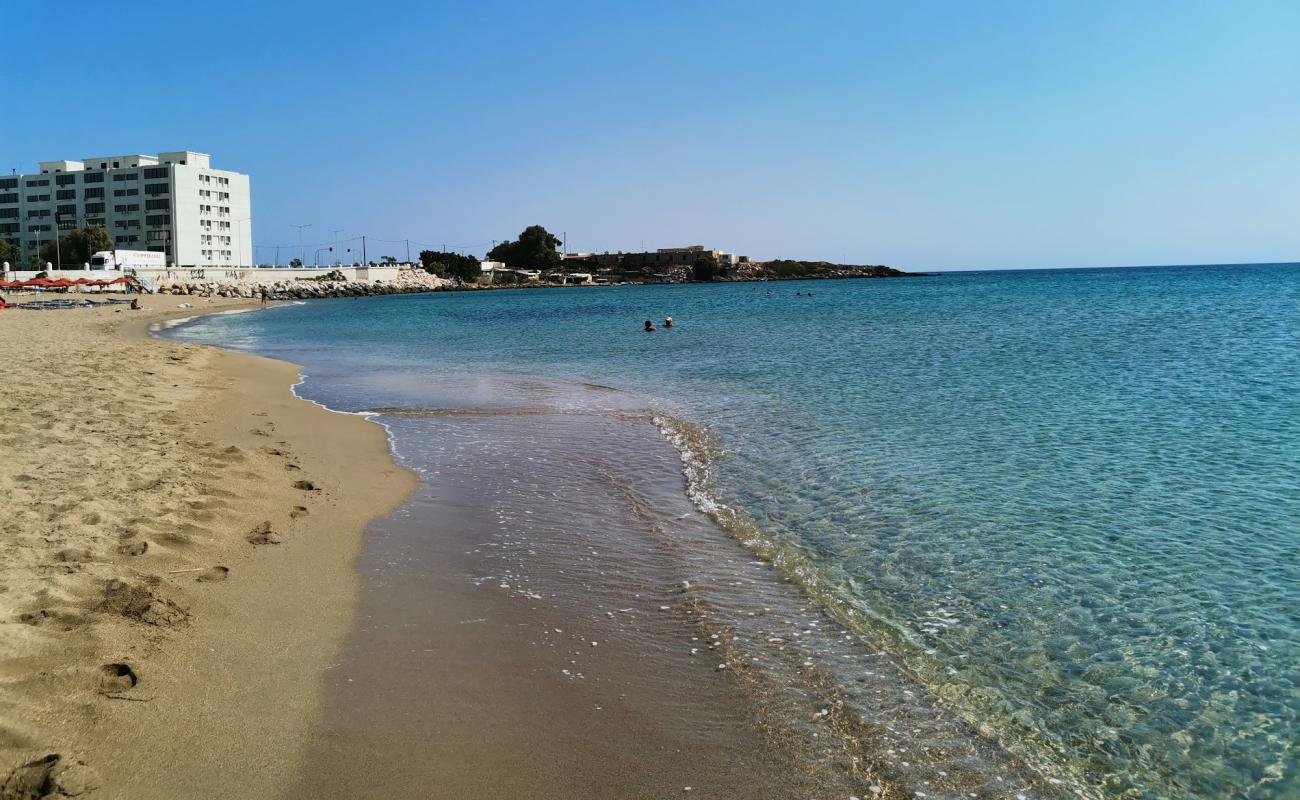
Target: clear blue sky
[918,134]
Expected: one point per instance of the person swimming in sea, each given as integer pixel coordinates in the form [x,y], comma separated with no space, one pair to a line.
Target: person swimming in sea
[650,327]
[668,323]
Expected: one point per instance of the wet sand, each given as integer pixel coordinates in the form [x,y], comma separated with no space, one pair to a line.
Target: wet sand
[170,595]
[466,678]
[550,616]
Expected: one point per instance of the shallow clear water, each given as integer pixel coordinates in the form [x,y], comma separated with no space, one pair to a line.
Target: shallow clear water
[1067,502]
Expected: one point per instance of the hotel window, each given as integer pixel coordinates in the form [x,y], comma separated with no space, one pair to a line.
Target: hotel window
[155,172]
[12,197]
[65,194]
[155,188]
[156,204]
[124,176]
[8,183]
[158,219]
[38,198]
[34,183]
[132,192]
[93,191]
[94,208]
[8,213]
[67,210]
[65,180]
[93,177]
[126,209]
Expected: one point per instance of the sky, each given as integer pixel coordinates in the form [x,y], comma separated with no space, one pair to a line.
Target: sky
[923,135]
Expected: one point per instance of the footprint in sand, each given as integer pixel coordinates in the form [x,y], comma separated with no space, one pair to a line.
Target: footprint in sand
[35,617]
[35,779]
[263,534]
[117,678]
[213,574]
[140,604]
[298,511]
[133,548]
[306,486]
[231,453]
[175,539]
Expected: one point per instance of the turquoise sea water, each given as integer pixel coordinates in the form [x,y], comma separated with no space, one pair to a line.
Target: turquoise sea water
[1067,501]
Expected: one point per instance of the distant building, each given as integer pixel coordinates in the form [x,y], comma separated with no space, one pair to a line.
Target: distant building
[663,257]
[173,203]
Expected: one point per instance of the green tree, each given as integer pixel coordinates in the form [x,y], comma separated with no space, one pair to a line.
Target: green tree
[705,268]
[76,247]
[8,253]
[534,249]
[450,265]
[297,262]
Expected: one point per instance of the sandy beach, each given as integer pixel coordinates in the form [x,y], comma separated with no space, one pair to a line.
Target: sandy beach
[178,541]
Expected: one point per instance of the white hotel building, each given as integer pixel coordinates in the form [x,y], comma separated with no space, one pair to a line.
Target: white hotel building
[173,203]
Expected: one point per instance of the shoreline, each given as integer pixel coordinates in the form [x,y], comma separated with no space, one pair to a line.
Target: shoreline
[784,689]
[136,667]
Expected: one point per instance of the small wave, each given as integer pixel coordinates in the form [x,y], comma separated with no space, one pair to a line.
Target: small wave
[700,449]
[397,411]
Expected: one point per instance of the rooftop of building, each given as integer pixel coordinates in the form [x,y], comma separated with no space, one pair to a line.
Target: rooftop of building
[188,157]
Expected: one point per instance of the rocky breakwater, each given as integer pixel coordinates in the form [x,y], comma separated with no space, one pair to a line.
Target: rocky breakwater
[334,284]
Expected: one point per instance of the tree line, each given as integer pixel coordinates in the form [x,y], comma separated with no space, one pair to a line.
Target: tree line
[72,250]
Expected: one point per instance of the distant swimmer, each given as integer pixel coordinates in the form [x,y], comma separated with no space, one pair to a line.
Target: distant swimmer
[649,327]
[668,323]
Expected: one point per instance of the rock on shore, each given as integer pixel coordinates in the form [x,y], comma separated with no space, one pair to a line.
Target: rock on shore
[305,289]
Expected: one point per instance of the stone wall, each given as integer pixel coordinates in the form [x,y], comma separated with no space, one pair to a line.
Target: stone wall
[329,283]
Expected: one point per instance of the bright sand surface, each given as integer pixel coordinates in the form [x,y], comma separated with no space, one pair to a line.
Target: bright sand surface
[132,470]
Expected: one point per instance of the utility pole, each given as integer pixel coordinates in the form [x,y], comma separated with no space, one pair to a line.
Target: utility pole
[408,251]
[364,263]
[565,239]
[302,254]
[336,245]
